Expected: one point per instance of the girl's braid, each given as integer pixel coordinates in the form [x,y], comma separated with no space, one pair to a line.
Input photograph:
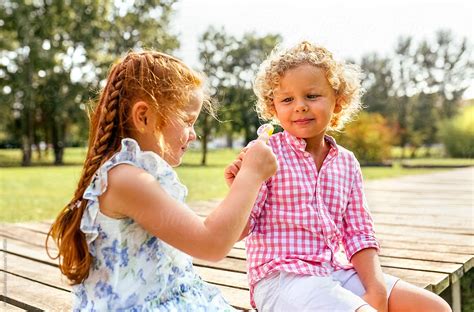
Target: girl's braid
[105,139]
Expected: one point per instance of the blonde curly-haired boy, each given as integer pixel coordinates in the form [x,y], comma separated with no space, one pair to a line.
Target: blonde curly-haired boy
[314,208]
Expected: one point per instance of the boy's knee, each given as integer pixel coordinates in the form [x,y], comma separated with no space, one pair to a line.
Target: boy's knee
[445,307]
[440,306]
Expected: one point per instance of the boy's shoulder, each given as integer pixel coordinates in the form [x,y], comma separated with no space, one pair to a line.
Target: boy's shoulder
[345,153]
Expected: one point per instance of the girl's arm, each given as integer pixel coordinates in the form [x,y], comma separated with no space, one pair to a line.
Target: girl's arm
[366,263]
[134,193]
[229,174]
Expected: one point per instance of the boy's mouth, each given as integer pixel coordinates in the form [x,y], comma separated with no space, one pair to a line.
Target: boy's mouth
[303,121]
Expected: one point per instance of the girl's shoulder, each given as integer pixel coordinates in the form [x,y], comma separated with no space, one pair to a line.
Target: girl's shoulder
[123,174]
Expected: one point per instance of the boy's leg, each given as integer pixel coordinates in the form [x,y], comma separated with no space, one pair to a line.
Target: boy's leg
[292,292]
[402,296]
[406,297]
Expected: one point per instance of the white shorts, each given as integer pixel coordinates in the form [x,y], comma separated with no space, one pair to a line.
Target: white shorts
[340,291]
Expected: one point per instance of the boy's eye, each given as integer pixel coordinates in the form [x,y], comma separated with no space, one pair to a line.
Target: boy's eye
[312,96]
[288,99]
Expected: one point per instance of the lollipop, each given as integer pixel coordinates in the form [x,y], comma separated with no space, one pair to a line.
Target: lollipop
[264,132]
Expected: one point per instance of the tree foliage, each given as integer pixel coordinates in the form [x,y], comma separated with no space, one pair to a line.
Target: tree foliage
[54,54]
[419,85]
[230,64]
[457,133]
[369,137]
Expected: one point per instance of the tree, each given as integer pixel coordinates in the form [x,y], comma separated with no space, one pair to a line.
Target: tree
[378,82]
[243,63]
[230,64]
[53,53]
[214,46]
[445,67]
[419,85]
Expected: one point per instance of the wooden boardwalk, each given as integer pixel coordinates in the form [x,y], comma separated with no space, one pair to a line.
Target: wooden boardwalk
[425,225]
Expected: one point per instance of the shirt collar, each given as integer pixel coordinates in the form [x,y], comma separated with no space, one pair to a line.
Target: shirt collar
[299,144]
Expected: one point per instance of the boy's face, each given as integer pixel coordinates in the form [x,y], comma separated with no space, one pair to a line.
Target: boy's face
[305,102]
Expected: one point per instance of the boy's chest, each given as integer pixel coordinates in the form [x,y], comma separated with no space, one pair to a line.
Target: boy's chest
[298,187]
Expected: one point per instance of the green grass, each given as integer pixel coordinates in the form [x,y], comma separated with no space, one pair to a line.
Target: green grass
[12,157]
[39,192]
[440,161]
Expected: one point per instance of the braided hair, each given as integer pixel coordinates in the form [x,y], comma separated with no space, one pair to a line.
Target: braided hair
[162,81]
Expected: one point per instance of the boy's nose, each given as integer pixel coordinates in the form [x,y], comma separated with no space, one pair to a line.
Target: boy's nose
[301,106]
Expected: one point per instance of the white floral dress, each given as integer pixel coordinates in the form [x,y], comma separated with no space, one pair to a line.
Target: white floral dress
[131,269]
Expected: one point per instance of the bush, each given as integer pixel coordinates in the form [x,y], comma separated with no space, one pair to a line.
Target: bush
[369,137]
[457,134]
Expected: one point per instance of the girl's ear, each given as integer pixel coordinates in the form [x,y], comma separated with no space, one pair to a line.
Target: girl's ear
[140,116]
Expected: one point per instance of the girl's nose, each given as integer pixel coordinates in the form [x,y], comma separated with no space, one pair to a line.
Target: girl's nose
[192,135]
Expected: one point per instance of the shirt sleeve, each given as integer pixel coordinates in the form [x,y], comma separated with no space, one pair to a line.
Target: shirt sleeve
[258,206]
[358,224]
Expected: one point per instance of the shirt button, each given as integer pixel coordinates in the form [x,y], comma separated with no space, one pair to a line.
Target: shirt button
[306,154]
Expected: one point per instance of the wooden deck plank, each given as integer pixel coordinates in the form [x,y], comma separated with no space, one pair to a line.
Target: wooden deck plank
[36,238]
[34,296]
[455,225]
[4,306]
[466,261]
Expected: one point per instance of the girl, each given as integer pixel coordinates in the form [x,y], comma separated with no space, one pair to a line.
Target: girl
[126,238]
[315,203]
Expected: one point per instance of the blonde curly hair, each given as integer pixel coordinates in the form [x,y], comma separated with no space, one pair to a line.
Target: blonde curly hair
[344,78]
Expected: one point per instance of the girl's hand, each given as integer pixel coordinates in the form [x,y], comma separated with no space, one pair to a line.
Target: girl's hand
[259,160]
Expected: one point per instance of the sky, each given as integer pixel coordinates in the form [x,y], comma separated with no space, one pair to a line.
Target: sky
[350,29]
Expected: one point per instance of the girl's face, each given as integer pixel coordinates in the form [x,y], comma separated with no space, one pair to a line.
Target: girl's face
[178,134]
[305,102]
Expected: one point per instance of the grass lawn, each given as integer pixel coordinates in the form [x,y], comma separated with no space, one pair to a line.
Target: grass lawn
[39,192]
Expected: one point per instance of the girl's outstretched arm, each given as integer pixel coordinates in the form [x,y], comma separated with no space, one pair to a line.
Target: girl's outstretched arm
[134,193]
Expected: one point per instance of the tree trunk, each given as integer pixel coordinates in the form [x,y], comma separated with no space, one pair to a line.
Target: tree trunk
[37,140]
[58,142]
[27,134]
[247,135]
[204,139]
[26,149]
[230,140]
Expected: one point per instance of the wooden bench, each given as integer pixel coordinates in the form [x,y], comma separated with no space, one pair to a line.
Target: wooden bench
[424,223]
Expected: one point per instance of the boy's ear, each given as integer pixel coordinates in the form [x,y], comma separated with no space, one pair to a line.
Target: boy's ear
[273,110]
[140,112]
[338,106]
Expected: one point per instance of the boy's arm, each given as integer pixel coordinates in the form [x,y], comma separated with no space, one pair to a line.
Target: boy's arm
[358,225]
[361,245]
[366,263]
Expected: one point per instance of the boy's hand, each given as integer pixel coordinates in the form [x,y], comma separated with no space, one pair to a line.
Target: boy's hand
[233,168]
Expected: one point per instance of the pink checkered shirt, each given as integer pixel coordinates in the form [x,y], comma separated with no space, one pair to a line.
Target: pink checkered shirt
[301,217]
